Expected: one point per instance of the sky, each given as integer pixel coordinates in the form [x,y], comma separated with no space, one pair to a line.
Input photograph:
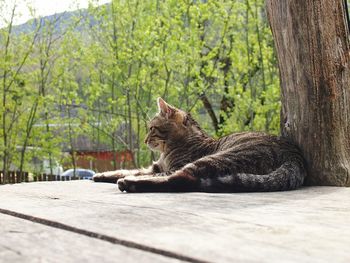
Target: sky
[41,7]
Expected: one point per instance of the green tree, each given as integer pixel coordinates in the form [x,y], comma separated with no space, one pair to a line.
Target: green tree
[15,51]
[98,72]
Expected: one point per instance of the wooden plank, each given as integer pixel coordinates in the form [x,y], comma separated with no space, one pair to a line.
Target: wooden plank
[306,225]
[23,241]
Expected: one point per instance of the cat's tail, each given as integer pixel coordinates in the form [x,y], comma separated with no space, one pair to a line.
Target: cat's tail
[289,176]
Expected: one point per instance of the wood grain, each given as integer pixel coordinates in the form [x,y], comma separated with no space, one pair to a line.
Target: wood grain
[23,241]
[306,225]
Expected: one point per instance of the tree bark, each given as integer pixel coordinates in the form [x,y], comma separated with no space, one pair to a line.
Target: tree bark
[313,50]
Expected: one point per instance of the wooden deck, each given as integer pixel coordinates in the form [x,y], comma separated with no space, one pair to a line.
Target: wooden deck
[82,221]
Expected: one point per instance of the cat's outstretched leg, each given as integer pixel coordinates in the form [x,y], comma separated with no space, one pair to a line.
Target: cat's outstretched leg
[114,176]
[197,176]
[179,181]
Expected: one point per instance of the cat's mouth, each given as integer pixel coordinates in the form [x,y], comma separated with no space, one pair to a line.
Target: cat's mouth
[155,146]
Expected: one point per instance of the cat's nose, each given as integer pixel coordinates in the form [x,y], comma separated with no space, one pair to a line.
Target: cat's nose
[146,140]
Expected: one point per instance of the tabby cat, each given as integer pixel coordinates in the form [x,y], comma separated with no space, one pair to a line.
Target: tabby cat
[190,160]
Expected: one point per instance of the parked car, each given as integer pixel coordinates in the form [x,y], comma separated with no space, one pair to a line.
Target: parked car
[79,172]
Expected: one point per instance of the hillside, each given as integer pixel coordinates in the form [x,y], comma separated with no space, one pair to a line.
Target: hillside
[60,21]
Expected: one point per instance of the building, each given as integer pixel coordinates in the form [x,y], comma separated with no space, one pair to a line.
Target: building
[97,156]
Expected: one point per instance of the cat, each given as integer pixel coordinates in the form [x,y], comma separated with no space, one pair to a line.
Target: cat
[190,160]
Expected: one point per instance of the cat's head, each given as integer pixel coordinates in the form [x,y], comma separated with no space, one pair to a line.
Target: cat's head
[169,127]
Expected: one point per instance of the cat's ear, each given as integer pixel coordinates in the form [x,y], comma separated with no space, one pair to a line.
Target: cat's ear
[165,109]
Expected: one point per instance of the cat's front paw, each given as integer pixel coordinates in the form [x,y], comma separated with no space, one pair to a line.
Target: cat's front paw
[140,184]
[127,184]
[121,185]
[109,177]
[101,177]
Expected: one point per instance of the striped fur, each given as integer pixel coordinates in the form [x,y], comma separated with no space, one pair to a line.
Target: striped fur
[192,161]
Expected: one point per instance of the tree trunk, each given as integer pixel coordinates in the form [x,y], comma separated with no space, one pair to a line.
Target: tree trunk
[313,50]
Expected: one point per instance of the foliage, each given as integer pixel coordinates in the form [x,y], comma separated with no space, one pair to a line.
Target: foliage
[99,73]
